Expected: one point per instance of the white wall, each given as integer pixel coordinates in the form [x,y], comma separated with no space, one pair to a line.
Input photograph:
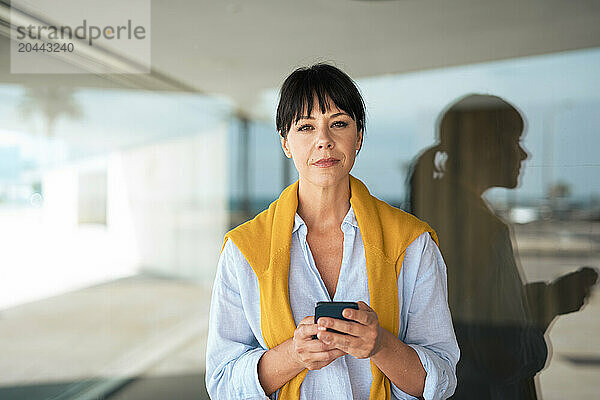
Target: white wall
[176,193]
[166,214]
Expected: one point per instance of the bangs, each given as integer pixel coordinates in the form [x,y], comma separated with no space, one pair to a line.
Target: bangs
[327,97]
[328,85]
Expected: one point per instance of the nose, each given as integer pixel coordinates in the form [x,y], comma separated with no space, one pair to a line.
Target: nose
[324,139]
[524,155]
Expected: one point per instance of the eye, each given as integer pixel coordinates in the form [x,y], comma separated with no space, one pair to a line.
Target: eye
[340,124]
[302,127]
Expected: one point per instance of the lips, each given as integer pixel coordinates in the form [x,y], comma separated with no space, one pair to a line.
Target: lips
[326,162]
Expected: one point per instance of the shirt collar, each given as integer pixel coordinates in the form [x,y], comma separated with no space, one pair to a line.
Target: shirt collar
[349,219]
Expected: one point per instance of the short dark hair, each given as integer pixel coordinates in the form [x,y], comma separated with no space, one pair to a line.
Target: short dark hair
[325,82]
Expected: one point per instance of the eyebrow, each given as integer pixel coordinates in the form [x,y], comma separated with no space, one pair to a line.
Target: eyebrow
[332,116]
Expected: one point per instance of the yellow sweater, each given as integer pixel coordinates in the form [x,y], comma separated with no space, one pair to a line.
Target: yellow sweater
[265,241]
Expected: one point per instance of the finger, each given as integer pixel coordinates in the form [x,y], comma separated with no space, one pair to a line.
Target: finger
[363,316]
[306,331]
[327,356]
[317,360]
[351,328]
[307,320]
[335,353]
[317,346]
[343,342]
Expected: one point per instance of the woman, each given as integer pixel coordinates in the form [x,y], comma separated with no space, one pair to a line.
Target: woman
[499,320]
[327,239]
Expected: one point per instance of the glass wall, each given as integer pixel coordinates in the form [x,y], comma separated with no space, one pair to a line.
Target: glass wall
[501,159]
[113,205]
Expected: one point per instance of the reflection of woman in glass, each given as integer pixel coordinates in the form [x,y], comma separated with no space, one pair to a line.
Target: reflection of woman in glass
[499,321]
[326,238]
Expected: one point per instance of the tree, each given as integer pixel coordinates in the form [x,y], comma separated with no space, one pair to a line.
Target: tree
[559,190]
[51,102]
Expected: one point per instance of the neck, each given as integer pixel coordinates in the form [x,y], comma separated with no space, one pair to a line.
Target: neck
[323,208]
[472,183]
[473,187]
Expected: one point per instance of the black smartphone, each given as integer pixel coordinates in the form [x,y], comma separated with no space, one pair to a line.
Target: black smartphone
[333,309]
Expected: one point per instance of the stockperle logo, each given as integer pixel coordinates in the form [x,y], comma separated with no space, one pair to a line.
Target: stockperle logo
[80,36]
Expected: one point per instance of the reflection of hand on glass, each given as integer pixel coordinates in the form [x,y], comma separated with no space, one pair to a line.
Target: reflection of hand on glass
[570,291]
[564,295]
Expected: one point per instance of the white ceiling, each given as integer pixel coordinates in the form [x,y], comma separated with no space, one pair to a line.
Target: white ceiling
[238,48]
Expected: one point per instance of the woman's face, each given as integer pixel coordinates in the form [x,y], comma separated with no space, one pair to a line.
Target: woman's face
[509,165]
[323,145]
[497,165]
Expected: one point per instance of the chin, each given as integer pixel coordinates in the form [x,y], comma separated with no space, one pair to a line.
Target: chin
[512,180]
[326,178]
[511,184]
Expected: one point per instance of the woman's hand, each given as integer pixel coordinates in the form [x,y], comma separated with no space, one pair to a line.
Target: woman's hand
[312,353]
[364,336]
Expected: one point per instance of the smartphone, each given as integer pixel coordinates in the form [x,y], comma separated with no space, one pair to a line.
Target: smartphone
[333,309]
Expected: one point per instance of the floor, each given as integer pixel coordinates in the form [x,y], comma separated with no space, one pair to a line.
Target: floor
[133,333]
[144,337]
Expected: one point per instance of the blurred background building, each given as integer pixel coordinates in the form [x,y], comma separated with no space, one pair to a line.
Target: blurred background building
[116,189]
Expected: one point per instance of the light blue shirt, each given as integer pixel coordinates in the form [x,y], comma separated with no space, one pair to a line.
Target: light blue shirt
[235,342]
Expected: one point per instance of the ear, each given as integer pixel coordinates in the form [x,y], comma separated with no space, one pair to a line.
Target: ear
[359,139]
[284,146]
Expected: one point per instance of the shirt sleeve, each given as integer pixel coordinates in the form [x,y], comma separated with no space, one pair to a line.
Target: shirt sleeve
[232,351]
[428,323]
